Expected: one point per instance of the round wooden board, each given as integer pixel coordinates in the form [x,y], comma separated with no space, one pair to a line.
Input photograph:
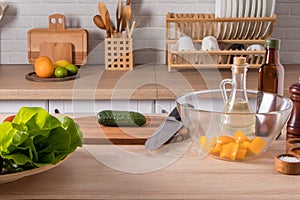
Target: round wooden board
[33,77]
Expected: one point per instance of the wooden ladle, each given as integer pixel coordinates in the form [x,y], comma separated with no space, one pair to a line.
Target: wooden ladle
[126,16]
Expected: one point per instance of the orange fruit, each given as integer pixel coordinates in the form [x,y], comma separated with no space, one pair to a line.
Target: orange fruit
[43,67]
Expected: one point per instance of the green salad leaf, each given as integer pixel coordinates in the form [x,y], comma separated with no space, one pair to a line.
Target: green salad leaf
[35,138]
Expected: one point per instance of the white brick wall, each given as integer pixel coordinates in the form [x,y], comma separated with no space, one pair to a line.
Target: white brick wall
[27,14]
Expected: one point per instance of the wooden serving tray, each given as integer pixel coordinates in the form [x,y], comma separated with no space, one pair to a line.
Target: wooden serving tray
[56,41]
[33,77]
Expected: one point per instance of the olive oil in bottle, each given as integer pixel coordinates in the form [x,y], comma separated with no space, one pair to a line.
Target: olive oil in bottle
[239,114]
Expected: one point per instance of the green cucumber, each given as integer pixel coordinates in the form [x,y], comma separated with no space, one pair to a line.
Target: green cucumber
[120,118]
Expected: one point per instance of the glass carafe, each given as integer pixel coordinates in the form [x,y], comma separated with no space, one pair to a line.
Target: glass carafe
[238,114]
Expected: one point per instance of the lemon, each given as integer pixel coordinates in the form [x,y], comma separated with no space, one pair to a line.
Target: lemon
[72,69]
[61,63]
[60,72]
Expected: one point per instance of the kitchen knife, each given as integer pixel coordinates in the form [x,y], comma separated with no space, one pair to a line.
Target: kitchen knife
[168,128]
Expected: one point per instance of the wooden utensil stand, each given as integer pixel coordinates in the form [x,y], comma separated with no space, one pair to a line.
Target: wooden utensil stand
[227,31]
[118,54]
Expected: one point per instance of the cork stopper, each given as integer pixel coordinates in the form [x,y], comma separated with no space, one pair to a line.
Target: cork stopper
[239,61]
[239,65]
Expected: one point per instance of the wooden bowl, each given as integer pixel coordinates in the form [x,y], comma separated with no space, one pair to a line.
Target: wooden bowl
[291,143]
[295,151]
[284,167]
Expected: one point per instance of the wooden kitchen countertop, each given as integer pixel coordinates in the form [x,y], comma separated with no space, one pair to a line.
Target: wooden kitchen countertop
[85,177]
[106,171]
[145,82]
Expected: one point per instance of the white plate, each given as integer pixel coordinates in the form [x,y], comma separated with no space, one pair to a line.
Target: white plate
[217,8]
[234,14]
[258,14]
[263,14]
[220,10]
[252,14]
[227,15]
[270,10]
[247,4]
[15,176]
[240,14]
[264,8]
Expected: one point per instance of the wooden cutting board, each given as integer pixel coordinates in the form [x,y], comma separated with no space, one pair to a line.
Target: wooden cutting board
[57,41]
[57,51]
[93,133]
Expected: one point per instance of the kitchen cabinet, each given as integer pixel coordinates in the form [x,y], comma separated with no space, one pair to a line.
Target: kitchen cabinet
[89,107]
[166,105]
[95,106]
[11,107]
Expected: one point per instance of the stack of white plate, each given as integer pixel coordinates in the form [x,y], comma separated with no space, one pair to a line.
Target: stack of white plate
[244,8]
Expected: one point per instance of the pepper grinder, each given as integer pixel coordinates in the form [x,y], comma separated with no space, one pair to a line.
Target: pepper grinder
[293,125]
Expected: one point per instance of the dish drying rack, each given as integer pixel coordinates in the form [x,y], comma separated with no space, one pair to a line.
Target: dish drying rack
[250,30]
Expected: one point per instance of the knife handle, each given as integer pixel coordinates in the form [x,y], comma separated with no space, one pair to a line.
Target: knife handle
[175,114]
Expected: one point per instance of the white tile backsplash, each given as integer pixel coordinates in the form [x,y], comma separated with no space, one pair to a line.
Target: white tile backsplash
[150,14]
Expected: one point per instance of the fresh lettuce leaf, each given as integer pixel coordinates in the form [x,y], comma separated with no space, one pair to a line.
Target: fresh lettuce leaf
[35,138]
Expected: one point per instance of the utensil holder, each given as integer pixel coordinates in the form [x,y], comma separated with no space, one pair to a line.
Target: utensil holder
[198,26]
[118,54]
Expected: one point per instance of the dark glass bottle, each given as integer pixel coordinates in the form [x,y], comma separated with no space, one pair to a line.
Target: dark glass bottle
[271,74]
[293,125]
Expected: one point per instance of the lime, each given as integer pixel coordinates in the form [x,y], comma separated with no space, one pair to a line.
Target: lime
[60,72]
[72,69]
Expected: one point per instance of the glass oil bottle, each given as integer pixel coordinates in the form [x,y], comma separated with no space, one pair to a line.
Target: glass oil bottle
[238,113]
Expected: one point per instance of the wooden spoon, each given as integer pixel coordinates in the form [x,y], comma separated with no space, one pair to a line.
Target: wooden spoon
[127,2]
[119,14]
[107,24]
[126,17]
[102,10]
[3,7]
[99,22]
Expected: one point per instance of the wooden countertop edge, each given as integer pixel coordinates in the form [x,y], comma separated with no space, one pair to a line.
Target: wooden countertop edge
[151,89]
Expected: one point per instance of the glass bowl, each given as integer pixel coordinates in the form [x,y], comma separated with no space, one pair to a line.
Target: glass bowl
[233,136]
